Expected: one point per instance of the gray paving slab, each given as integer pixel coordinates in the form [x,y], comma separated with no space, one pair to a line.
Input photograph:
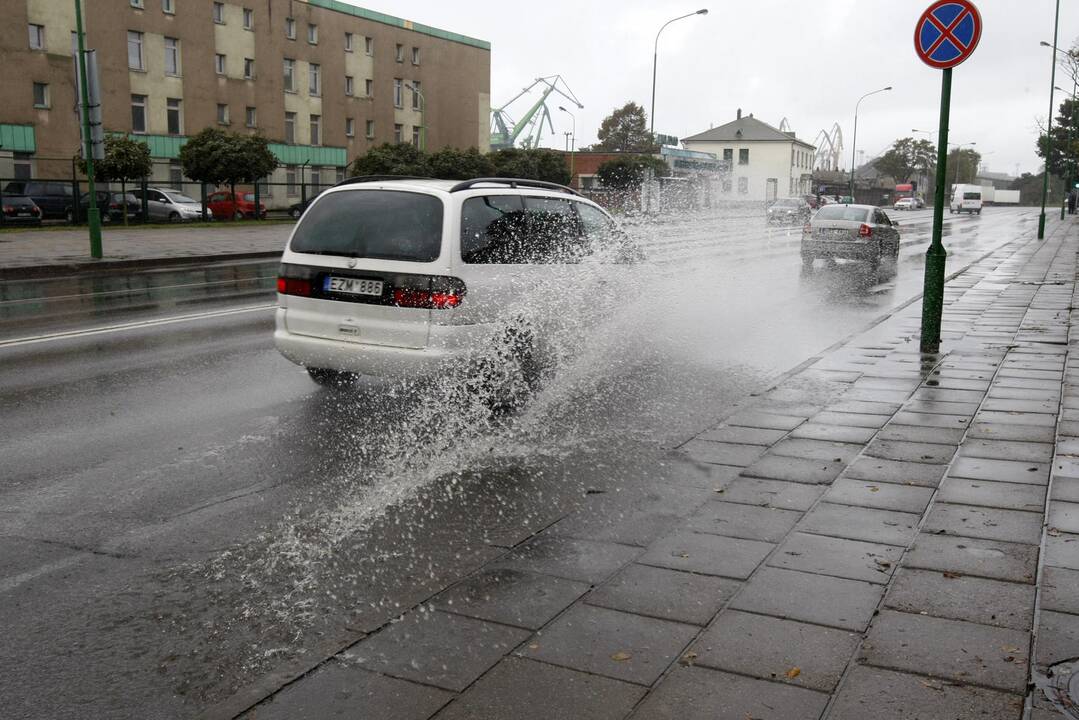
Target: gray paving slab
[1067,445]
[679,471]
[793,469]
[1015,562]
[1040,395]
[1031,384]
[708,554]
[871,693]
[1065,489]
[1002,470]
[614,644]
[511,597]
[962,597]
[1003,431]
[528,690]
[342,690]
[785,651]
[694,693]
[772,493]
[820,599]
[948,395]
[954,383]
[1058,638]
[765,420]
[721,453]
[834,433]
[666,594]
[895,471]
[885,496]
[986,523]
[817,450]
[747,435]
[631,526]
[437,648]
[851,559]
[867,420]
[989,493]
[584,560]
[859,523]
[905,451]
[743,521]
[1064,516]
[864,407]
[932,407]
[1020,406]
[1060,590]
[1062,550]
[1007,450]
[1067,466]
[1008,417]
[951,649]
[920,434]
[905,417]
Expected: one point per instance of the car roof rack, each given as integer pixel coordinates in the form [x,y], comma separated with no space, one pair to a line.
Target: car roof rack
[378,178]
[513,183]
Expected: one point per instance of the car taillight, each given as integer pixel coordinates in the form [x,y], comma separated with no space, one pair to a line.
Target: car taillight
[807,229]
[865,231]
[115,206]
[9,209]
[294,286]
[441,293]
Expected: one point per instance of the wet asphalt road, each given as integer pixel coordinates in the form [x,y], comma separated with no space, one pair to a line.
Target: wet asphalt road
[181,510]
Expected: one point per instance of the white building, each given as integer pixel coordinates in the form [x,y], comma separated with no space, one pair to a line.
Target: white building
[765,163]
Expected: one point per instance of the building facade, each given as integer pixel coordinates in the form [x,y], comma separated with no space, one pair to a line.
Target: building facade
[321,79]
[765,162]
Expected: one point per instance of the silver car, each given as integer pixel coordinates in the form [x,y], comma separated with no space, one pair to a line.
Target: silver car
[168,205]
[850,232]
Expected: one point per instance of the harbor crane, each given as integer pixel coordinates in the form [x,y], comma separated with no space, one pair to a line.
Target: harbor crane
[829,148]
[528,131]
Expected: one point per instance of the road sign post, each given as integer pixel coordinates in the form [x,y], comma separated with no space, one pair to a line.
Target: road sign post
[945,35]
[93,216]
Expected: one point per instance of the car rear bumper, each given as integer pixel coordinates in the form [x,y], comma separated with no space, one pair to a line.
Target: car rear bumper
[843,250]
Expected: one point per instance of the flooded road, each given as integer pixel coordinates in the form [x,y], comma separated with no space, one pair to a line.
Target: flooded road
[182,510]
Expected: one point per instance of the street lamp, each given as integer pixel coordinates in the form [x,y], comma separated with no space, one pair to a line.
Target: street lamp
[573,141]
[423,106]
[957,147]
[655,58]
[1049,129]
[854,140]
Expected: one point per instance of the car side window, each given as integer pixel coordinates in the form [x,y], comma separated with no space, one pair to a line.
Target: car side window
[594,222]
[501,229]
[880,218]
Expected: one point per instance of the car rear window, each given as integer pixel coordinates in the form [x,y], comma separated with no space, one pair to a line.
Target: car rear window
[972,196]
[842,212]
[376,224]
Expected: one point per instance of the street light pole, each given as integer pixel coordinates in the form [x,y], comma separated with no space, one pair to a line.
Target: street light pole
[1049,129]
[959,158]
[854,140]
[423,118]
[573,142]
[93,217]
[655,60]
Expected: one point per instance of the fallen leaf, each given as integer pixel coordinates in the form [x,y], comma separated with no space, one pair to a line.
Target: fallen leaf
[533,646]
[951,575]
[933,685]
[688,658]
[1054,532]
[874,488]
[719,490]
[793,673]
[1010,649]
[621,656]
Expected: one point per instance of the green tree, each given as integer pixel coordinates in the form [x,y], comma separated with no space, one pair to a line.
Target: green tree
[454,164]
[126,160]
[393,159]
[628,173]
[218,157]
[908,159]
[1030,189]
[530,164]
[963,165]
[625,130]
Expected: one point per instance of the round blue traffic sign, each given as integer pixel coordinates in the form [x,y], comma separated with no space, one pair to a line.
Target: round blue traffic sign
[947,33]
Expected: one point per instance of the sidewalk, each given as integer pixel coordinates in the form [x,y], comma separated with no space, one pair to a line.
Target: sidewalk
[882,536]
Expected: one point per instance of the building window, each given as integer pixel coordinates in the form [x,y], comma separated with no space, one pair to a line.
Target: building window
[134,50]
[369,130]
[219,63]
[369,45]
[174,116]
[398,133]
[37,37]
[728,156]
[41,95]
[340,174]
[290,181]
[290,75]
[23,165]
[416,135]
[250,117]
[348,42]
[138,113]
[415,56]
[314,79]
[136,4]
[222,114]
[168,7]
[399,52]
[349,85]
[316,127]
[397,88]
[172,56]
[369,87]
[743,185]
[350,127]
[743,156]
[726,185]
[416,95]
[176,173]
[249,19]
[316,178]
[219,13]
[312,34]
[290,127]
[249,68]
[290,28]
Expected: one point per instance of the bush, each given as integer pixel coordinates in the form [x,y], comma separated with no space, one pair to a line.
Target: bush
[531,164]
[454,164]
[391,159]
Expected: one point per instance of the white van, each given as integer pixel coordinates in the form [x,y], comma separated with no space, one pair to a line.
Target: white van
[966,198]
[399,277]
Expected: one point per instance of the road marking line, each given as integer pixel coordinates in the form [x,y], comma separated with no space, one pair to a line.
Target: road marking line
[132,325]
[10,583]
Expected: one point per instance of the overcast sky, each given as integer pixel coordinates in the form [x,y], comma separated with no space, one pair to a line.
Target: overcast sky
[806,61]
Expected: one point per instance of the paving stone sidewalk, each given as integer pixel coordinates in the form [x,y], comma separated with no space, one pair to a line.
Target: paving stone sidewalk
[882,535]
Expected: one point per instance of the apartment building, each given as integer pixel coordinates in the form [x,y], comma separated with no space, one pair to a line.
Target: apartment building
[323,80]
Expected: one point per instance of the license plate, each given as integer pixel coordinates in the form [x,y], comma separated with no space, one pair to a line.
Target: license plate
[24,214]
[352,286]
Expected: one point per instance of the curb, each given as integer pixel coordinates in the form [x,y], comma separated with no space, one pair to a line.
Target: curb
[102,267]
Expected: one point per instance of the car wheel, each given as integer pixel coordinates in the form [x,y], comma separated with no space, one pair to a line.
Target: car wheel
[332,378]
[238,215]
[174,217]
[503,378]
[69,216]
[294,213]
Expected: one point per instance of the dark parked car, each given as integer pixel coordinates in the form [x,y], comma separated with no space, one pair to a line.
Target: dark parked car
[851,232]
[789,210]
[110,204]
[19,210]
[297,209]
[55,198]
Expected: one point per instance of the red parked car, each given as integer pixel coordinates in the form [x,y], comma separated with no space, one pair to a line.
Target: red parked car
[222,204]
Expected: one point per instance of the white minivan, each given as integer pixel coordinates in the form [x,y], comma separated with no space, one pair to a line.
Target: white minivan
[966,199]
[398,278]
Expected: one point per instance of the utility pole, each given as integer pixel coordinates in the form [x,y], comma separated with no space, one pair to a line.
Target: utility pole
[93,216]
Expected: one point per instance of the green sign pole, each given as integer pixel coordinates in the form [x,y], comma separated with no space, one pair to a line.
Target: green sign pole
[936,256]
[93,217]
[1049,129]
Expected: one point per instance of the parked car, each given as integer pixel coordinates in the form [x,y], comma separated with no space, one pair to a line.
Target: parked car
[168,205]
[111,205]
[905,203]
[788,210]
[411,278]
[242,206]
[19,210]
[297,209]
[55,198]
[851,232]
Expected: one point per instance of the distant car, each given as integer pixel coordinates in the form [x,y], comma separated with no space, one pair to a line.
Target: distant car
[168,205]
[846,200]
[919,202]
[788,210]
[850,232]
[110,205]
[297,209]
[224,205]
[55,198]
[905,203]
[19,210]
[966,199]
[812,201]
